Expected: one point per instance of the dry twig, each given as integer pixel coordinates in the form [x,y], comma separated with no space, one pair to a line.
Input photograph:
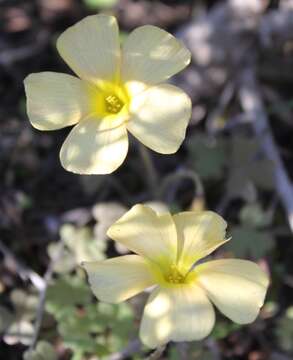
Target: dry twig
[252,103]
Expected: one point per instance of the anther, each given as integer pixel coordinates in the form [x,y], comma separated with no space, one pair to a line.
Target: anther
[174,275]
[113,104]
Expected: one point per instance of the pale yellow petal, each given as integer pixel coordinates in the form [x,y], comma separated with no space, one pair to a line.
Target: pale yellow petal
[181,313]
[148,234]
[94,147]
[56,100]
[159,117]
[199,234]
[236,287]
[118,279]
[91,48]
[151,55]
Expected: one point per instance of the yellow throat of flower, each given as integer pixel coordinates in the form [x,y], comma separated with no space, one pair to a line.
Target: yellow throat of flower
[113,104]
[173,275]
[109,99]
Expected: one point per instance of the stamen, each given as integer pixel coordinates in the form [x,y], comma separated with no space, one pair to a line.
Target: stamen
[113,104]
[174,276]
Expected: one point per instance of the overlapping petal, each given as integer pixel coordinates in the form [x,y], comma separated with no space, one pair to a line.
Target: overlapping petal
[56,100]
[94,146]
[181,313]
[91,48]
[159,117]
[151,55]
[236,287]
[120,278]
[198,235]
[148,234]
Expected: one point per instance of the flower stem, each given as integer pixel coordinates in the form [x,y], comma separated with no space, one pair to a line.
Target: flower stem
[151,177]
[157,353]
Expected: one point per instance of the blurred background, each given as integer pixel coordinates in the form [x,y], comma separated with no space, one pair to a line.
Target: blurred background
[237,159]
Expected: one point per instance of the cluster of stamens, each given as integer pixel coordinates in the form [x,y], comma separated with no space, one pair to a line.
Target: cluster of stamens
[174,276]
[113,104]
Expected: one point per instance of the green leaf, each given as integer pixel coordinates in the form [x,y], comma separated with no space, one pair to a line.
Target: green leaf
[86,319]
[82,243]
[20,331]
[247,241]
[64,263]
[79,329]
[65,292]
[78,341]
[209,159]
[240,186]
[107,312]
[25,304]
[17,325]
[88,328]
[6,318]
[77,245]
[223,329]
[247,158]
[284,330]
[118,320]
[106,213]
[100,4]
[254,216]
[43,351]
[122,325]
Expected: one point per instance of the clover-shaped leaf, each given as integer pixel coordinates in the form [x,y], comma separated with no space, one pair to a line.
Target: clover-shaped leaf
[19,328]
[43,351]
[106,213]
[24,304]
[63,260]
[82,243]
[76,245]
[65,292]
[254,216]
[20,331]
[208,157]
[119,319]
[247,241]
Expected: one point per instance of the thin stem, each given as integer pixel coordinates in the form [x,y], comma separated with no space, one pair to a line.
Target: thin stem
[41,306]
[151,177]
[157,353]
[179,175]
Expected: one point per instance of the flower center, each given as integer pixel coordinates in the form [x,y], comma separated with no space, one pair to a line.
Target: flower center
[174,276]
[113,104]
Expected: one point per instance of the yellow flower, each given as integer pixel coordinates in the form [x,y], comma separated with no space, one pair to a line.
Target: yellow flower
[179,307]
[117,91]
